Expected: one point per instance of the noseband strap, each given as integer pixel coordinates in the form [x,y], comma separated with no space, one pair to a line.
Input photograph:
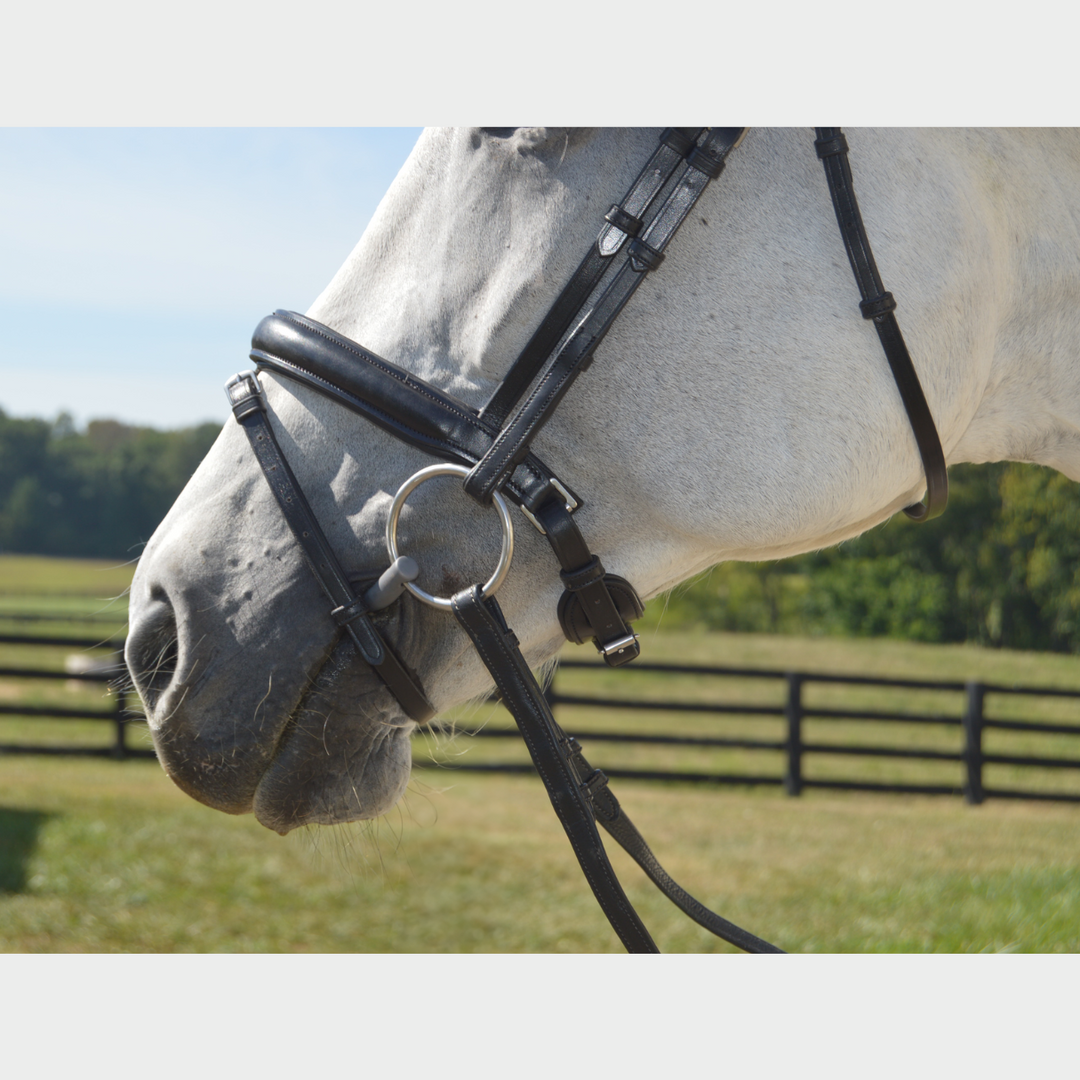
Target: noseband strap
[388,396]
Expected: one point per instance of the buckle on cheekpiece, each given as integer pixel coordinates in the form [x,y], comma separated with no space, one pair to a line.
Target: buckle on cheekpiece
[245,394]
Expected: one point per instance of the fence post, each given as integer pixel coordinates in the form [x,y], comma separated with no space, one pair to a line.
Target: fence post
[973,749]
[120,722]
[793,781]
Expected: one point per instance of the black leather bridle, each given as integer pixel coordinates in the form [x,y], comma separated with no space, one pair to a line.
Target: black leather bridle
[491,451]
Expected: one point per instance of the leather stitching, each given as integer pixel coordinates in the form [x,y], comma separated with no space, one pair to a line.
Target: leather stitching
[479,609]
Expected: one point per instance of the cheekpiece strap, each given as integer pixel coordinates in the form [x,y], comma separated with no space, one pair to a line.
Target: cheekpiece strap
[574,355]
[249,407]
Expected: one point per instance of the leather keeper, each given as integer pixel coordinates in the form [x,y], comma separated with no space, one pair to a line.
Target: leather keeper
[878,305]
[248,406]
[623,221]
[678,140]
[347,612]
[705,163]
[643,257]
[574,620]
[576,580]
[830,147]
[245,395]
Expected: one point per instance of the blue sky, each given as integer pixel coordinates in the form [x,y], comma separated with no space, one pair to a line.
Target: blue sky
[136,261]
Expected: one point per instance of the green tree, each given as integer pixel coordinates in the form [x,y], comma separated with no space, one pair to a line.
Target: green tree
[99,492]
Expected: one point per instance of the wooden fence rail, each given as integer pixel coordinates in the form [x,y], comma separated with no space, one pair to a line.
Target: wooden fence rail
[794,748]
[972,721]
[117,712]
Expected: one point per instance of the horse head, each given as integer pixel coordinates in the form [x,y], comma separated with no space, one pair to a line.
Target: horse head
[739,408]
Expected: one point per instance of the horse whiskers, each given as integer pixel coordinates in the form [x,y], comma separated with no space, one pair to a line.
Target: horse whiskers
[262,702]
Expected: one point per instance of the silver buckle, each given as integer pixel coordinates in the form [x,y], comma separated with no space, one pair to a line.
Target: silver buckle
[571,505]
[613,648]
[244,389]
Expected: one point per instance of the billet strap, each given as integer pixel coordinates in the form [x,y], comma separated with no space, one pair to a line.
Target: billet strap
[578,792]
[350,610]
[403,405]
[622,222]
[878,306]
[643,253]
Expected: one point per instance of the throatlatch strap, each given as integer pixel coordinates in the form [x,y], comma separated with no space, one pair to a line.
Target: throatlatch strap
[249,408]
[878,306]
[578,792]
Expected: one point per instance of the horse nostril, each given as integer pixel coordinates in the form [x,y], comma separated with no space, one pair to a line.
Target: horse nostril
[153,649]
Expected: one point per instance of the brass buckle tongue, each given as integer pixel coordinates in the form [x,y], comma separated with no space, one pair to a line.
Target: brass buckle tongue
[505,555]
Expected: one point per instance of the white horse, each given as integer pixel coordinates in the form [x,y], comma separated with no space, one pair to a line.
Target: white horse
[739,409]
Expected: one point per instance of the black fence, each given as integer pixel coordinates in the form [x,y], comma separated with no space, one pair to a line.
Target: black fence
[108,673]
[968,724]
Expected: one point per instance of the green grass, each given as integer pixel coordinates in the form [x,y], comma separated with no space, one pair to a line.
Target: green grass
[43,576]
[105,857]
[98,856]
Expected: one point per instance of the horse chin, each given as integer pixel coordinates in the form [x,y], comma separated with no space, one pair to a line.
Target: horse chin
[343,756]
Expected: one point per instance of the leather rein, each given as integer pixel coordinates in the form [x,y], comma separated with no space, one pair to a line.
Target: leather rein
[490,450]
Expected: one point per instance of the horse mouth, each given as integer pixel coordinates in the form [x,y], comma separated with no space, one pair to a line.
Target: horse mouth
[339,750]
[343,755]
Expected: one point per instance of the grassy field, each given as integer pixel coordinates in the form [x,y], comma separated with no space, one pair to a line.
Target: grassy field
[101,856]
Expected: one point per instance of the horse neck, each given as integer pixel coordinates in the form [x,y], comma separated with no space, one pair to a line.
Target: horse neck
[1027,191]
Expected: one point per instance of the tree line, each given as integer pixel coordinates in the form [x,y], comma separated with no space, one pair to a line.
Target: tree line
[99,492]
[1000,567]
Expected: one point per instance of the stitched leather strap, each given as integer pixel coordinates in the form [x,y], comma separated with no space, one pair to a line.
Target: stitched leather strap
[249,408]
[403,405]
[483,621]
[512,444]
[623,220]
[878,305]
[588,587]
[613,818]
[578,792]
